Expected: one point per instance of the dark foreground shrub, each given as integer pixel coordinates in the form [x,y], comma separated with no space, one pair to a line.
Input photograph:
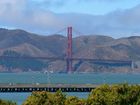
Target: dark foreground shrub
[72,100]
[4,102]
[123,94]
[46,98]
[115,95]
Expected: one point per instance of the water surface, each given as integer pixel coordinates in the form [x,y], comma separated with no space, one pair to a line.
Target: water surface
[89,78]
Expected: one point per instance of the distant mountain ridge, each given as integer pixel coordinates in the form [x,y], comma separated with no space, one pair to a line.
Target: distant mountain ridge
[91,46]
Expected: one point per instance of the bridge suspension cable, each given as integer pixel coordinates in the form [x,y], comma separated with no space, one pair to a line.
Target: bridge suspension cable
[60,31]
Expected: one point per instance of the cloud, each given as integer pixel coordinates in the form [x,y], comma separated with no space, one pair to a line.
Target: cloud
[117,24]
[17,13]
[20,14]
[49,3]
[123,22]
[60,3]
[99,0]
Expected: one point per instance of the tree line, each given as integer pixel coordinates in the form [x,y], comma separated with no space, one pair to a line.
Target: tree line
[122,94]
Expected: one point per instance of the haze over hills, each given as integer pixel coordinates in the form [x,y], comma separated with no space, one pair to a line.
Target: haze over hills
[22,43]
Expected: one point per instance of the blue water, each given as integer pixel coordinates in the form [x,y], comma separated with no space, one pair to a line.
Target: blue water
[92,78]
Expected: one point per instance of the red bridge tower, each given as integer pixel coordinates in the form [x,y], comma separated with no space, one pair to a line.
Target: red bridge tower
[69,50]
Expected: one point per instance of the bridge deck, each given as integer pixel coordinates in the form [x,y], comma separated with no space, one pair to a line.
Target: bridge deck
[47,87]
[64,58]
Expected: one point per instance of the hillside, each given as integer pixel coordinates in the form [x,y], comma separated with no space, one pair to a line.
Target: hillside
[22,43]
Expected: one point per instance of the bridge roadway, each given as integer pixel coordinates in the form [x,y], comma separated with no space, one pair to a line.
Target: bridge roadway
[46,87]
[98,61]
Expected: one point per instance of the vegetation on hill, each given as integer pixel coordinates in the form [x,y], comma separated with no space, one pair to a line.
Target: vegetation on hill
[24,64]
[123,94]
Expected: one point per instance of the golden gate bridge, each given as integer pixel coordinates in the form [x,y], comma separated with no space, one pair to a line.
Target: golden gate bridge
[69,59]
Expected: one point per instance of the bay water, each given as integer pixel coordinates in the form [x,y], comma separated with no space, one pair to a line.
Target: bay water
[77,78]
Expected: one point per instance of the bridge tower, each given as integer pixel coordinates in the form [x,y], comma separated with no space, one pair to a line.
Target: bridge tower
[69,49]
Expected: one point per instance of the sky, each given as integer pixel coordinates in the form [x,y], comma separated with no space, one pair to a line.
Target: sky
[116,18]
